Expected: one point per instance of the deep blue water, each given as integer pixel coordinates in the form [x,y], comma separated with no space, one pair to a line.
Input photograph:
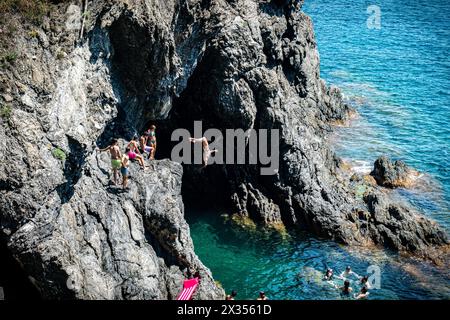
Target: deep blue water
[397,78]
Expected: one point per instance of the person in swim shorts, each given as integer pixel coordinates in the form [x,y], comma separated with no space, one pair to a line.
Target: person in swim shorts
[116,162]
[124,169]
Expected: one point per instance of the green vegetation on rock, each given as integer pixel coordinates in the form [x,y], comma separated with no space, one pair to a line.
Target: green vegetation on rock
[59,154]
[8,57]
[5,112]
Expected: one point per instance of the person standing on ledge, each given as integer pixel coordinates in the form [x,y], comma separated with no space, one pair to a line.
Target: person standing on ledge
[124,170]
[151,141]
[116,158]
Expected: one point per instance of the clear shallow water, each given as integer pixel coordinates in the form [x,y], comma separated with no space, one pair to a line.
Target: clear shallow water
[290,266]
[398,79]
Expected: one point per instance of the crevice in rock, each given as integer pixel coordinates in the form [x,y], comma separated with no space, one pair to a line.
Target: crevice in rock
[96,216]
[8,185]
[73,168]
[161,252]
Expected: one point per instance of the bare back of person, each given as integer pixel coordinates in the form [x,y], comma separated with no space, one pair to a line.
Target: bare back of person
[115,152]
[133,146]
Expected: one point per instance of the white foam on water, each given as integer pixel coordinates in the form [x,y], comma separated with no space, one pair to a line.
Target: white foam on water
[360,166]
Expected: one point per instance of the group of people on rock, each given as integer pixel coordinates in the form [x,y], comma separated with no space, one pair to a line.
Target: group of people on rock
[136,150]
[139,148]
[346,289]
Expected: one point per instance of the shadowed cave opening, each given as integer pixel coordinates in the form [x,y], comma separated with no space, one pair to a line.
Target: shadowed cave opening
[14,282]
[139,63]
[211,187]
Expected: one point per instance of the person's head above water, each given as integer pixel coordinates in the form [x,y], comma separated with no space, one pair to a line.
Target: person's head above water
[348,269]
[262,294]
[114,141]
[233,293]
[363,290]
[135,137]
[346,283]
[152,128]
[364,279]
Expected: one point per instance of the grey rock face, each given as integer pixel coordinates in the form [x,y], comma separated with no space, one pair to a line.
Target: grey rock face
[76,236]
[241,63]
[107,244]
[400,227]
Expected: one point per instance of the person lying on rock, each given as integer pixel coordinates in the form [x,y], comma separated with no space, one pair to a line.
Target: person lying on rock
[116,162]
[151,141]
[134,153]
[206,151]
[124,169]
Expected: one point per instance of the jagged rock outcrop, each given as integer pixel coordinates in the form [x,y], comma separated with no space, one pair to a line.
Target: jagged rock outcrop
[398,226]
[393,174]
[233,64]
[105,243]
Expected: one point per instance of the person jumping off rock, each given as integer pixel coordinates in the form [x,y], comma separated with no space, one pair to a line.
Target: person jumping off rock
[116,162]
[206,151]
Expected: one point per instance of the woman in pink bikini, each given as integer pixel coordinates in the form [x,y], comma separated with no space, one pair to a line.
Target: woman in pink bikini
[134,152]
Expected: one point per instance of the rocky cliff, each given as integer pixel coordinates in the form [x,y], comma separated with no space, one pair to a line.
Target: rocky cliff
[85,74]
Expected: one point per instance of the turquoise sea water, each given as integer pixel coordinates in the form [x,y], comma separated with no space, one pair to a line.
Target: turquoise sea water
[398,79]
